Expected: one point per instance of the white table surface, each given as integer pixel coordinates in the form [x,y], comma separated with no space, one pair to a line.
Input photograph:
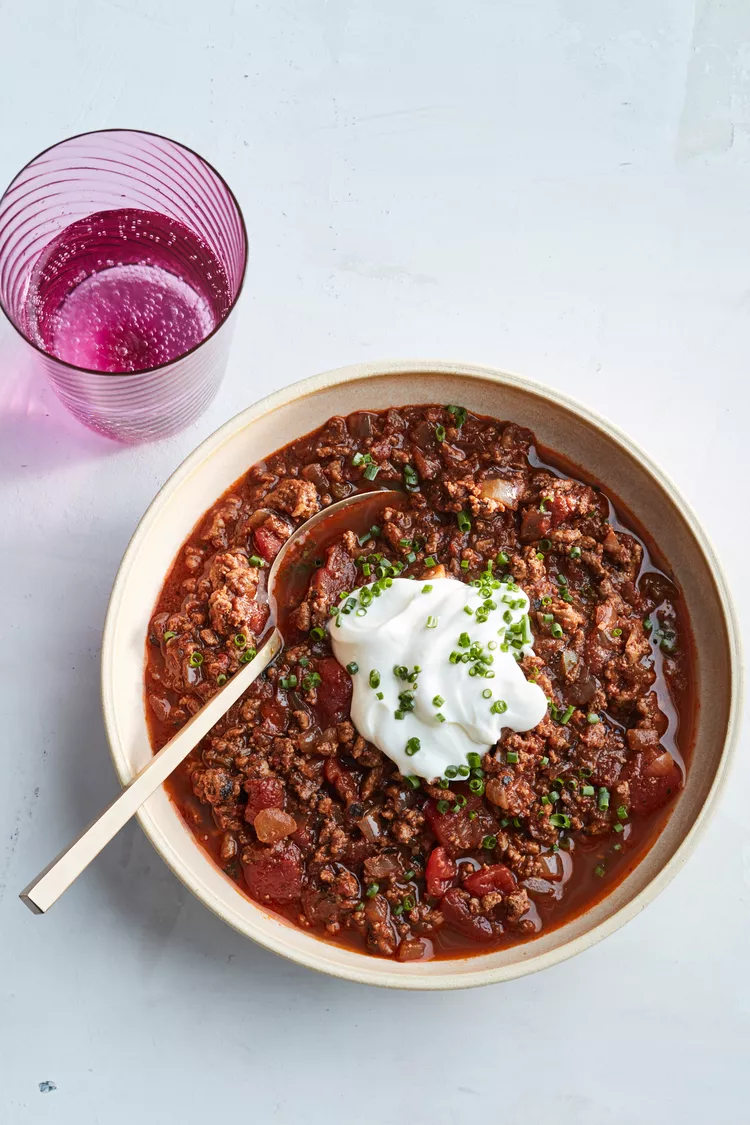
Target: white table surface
[560,188]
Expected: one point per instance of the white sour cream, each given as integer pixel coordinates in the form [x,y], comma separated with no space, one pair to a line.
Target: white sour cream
[420,624]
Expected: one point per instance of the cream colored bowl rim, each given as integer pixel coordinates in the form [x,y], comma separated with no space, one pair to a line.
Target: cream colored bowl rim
[385,977]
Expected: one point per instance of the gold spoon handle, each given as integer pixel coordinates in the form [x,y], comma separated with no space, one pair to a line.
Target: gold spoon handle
[46,889]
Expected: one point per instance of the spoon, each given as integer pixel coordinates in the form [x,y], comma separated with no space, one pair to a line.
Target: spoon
[51,883]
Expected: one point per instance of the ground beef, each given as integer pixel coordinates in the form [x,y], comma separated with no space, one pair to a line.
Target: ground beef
[312,820]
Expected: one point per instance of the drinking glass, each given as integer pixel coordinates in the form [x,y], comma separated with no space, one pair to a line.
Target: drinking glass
[175,203]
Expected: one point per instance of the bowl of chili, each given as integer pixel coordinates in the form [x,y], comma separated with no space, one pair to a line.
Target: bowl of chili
[639,779]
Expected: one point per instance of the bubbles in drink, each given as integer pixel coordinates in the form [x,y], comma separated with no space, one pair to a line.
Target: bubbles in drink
[125,290]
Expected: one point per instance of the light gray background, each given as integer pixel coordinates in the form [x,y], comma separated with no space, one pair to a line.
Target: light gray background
[559,187]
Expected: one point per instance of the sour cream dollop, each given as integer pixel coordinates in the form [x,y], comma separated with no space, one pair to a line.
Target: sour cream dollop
[434,669]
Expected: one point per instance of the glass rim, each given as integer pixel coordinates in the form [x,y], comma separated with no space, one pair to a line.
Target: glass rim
[177,359]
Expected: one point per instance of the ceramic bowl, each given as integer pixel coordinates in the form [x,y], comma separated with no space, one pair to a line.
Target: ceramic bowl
[560,424]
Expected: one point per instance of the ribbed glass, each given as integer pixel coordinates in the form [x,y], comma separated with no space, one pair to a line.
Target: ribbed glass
[111,170]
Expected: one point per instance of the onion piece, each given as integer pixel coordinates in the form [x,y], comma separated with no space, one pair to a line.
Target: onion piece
[660,766]
[506,492]
[369,826]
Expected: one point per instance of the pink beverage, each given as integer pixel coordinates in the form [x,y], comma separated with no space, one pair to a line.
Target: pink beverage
[122,258]
[125,290]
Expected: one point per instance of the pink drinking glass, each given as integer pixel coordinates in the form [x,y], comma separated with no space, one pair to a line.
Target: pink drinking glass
[109,171]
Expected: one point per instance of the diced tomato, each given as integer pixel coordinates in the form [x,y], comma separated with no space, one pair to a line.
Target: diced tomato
[495,878]
[441,872]
[456,831]
[334,692]
[274,874]
[267,544]
[256,618]
[648,792]
[338,574]
[274,715]
[263,793]
[535,525]
[342,779]
[563,506]
[455,911]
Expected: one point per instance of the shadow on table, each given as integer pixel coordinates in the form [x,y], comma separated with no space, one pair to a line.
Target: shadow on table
[36,431]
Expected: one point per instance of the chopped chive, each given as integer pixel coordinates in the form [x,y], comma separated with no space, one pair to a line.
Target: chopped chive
[617,632]
[221,679]
[439,717]
[240,640]
[489,842]
[511,757]
[442,806]
[499,707]
[372,890]
[487,693]
[440,433]
[379,695]
[411,478]
[412,781]
[427,589]
[619,827]
[464,564]
[474,760]
[256,560]
[544,761]
[398,714]
[574,552]
[311,680]
[622,812]
[565,716]
[600,870]
[168,635]
[196,659]
[560,820]
[603,798]
[451,772]
[409,903]
[463,521]
[371,472]
[352,668]
[463,771]
[432,622]
[592,718]
[556,630]
[459,415]
[588,790]
[248,655]
[374,678]
[413,746]
[430,561]
[476,785]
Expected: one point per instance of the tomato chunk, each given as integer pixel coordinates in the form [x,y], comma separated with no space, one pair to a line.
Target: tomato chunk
[441,872]
[648,791]
[343,780]
[334,691]
[263,793]
[495,878]
[267,544]
[274,874]
[338,574]
[455,910]
[456,831]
